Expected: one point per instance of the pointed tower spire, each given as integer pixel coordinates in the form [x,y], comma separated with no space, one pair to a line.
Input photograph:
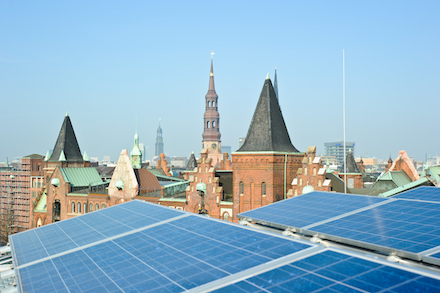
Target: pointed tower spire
[67,144]
[47,157]
[85,157]
[267,131]
[351,163]
[211,129]
[159,141]
[136,153]
[275,84]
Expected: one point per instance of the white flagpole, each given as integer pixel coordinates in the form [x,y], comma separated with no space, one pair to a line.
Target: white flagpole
[343,113]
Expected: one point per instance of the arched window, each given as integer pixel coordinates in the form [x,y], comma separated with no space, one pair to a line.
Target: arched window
[209,104]
[241,187]
[226,217]
[314,171]
[91,207]
[213,124]
[97,207]
[79,208]
[296,192]
[319,182]
[73,207]
[300,181]
[213,103]
[206,169]
[85,208]
[305,171]
[207,124]
[103,205]
[310,160]
[263,189]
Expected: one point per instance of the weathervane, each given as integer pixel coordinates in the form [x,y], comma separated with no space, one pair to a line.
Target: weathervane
[212,54]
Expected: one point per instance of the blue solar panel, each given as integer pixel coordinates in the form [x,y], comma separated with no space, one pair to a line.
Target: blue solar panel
[73,233]
[165,250]
[427,193]
[172,256]
[408,226]
[310,208]
[402,225]
[331,271]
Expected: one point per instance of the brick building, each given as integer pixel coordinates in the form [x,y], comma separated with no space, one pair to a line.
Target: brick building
[403,162]
[267,162]
[352,174]
[216,204]
[20,188]
[311,176]
[68,178]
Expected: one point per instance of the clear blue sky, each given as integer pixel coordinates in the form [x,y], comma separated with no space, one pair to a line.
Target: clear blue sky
[108,62]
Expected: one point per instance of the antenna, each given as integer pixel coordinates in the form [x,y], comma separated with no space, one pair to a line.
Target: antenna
[343,114]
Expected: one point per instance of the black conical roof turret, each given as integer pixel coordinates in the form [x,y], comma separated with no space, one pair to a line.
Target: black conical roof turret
[66,144]
[267,131]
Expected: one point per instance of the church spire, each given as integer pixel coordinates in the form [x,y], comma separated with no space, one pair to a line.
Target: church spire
[211,129]
[136,153]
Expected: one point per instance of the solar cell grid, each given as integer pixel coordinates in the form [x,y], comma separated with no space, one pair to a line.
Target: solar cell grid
[172,256]
[87,229]
[331,271]
[309,208]
[402,225]
[427,193]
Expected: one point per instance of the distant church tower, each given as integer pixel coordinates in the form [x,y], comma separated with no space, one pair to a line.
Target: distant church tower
[211,130]
[136,154]
[159,141]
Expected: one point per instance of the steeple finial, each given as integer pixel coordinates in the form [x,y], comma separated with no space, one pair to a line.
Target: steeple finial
[267,76]
[67,114]
[211,75]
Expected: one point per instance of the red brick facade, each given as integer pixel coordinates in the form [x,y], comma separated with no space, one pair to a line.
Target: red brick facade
[262,178]
[311,173]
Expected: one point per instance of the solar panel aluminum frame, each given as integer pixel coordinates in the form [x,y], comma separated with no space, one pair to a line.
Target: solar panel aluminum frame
[351,242]
[357,243]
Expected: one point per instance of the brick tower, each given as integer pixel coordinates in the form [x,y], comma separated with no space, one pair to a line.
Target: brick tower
[265,165]
[211,119]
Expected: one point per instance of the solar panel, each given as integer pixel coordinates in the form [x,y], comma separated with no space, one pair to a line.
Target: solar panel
[167,250]
[335,271]
[428,193]
[309,209]
[408,227]
[404,226]
[174,255]
[89,228]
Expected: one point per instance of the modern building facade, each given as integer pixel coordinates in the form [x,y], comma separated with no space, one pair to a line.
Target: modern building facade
[336,149]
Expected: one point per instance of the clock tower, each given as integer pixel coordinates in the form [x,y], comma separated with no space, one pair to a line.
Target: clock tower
[211,129]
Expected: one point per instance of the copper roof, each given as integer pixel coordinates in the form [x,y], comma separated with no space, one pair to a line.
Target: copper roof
[146,180]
